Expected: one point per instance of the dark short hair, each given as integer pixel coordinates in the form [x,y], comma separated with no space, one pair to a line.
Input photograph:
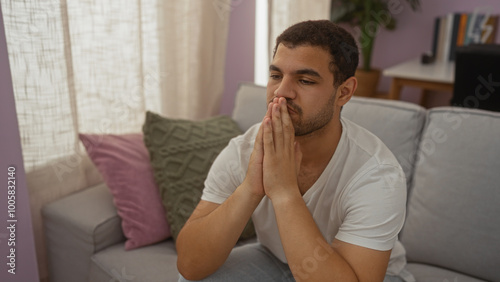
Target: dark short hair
[329,36]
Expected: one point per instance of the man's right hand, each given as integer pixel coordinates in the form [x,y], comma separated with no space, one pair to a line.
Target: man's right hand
[221,224]
[253,182]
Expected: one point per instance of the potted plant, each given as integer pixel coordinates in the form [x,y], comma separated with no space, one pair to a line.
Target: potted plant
[366,17]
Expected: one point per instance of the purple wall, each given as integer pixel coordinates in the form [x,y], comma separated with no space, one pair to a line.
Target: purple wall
[240,51]
[412,37]
[23,257]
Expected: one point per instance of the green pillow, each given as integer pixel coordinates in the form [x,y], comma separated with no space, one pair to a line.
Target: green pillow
[181,153]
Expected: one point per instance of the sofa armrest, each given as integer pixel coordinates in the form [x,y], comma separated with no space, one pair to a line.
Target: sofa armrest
[76,227]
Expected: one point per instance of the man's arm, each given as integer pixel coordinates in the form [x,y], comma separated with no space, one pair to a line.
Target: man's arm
[221,225]
[211,232]
[309,256]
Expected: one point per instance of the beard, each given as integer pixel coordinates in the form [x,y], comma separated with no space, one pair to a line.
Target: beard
[305,126]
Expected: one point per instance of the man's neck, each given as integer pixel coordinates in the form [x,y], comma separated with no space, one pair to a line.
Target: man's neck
[318,147]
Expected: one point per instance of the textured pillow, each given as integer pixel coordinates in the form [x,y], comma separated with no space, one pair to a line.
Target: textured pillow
[181,153]
[123,161]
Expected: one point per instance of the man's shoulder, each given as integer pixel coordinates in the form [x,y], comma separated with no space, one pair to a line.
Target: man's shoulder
[242,145]
[372,165]
[366,142]
[354,130]
[247,138]
[251,132]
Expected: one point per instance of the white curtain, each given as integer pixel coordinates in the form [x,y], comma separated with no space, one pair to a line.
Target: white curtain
[284,13]
[92,66]
[195,34]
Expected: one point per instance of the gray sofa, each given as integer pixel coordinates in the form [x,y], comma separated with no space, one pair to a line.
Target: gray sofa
[451,157]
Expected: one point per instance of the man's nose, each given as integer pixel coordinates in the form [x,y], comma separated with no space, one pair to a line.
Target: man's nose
[285,89]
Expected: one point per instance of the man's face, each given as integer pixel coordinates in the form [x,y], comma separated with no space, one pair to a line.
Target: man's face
[301,75]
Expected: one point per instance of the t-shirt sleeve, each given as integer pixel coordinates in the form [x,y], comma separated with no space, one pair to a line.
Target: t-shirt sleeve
[229,168]
[374,208]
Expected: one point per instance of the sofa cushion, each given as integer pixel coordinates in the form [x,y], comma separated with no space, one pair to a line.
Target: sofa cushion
[398,124]
[123,161]
[152,263]
[250,105]
[453,211]
[428,273]
[76,227]
[148,264]
[181,153]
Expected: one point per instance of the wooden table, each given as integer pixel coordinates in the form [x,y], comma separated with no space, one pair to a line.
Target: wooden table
[438,76]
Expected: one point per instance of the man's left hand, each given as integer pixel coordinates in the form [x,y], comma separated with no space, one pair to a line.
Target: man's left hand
[282,155]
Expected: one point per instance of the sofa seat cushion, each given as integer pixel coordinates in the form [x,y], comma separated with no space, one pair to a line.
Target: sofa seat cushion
[76,227]
[452,218]
[147,264]
[152,263]
[428,273]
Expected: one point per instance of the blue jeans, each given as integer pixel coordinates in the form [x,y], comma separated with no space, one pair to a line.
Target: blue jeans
[254,263]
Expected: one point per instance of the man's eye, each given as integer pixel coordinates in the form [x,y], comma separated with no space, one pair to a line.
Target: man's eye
[306,82]
[275,76]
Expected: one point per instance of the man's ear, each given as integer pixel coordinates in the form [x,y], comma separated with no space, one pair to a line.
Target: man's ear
[346,90]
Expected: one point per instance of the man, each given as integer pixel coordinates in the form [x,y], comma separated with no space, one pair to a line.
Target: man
[327,198]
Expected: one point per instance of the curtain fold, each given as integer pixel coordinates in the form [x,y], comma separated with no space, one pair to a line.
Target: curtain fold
[198,73]
[284,13]
[95,66]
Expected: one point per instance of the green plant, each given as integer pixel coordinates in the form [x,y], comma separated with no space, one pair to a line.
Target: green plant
[367,16]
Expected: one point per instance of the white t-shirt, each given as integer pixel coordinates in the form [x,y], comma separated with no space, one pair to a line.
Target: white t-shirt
[360,198]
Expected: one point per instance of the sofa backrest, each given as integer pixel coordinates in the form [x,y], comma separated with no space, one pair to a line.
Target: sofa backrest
[250,105]
[398,124]
[453,218]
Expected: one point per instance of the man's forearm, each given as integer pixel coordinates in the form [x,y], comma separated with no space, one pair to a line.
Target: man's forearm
[204,243]
[309,256]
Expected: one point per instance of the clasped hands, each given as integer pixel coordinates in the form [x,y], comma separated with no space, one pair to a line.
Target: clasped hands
[275,161]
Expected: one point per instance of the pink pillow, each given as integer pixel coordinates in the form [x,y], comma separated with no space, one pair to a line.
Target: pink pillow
[123,161]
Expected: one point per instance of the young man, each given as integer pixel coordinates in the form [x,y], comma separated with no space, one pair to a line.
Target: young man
[327,197]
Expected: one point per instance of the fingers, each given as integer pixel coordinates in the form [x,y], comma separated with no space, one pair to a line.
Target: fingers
[287,126]
[269,109]
[258,145]
[260,134]
[277,127]
[258,140]
[267,138]
[298,157]
[282,127]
